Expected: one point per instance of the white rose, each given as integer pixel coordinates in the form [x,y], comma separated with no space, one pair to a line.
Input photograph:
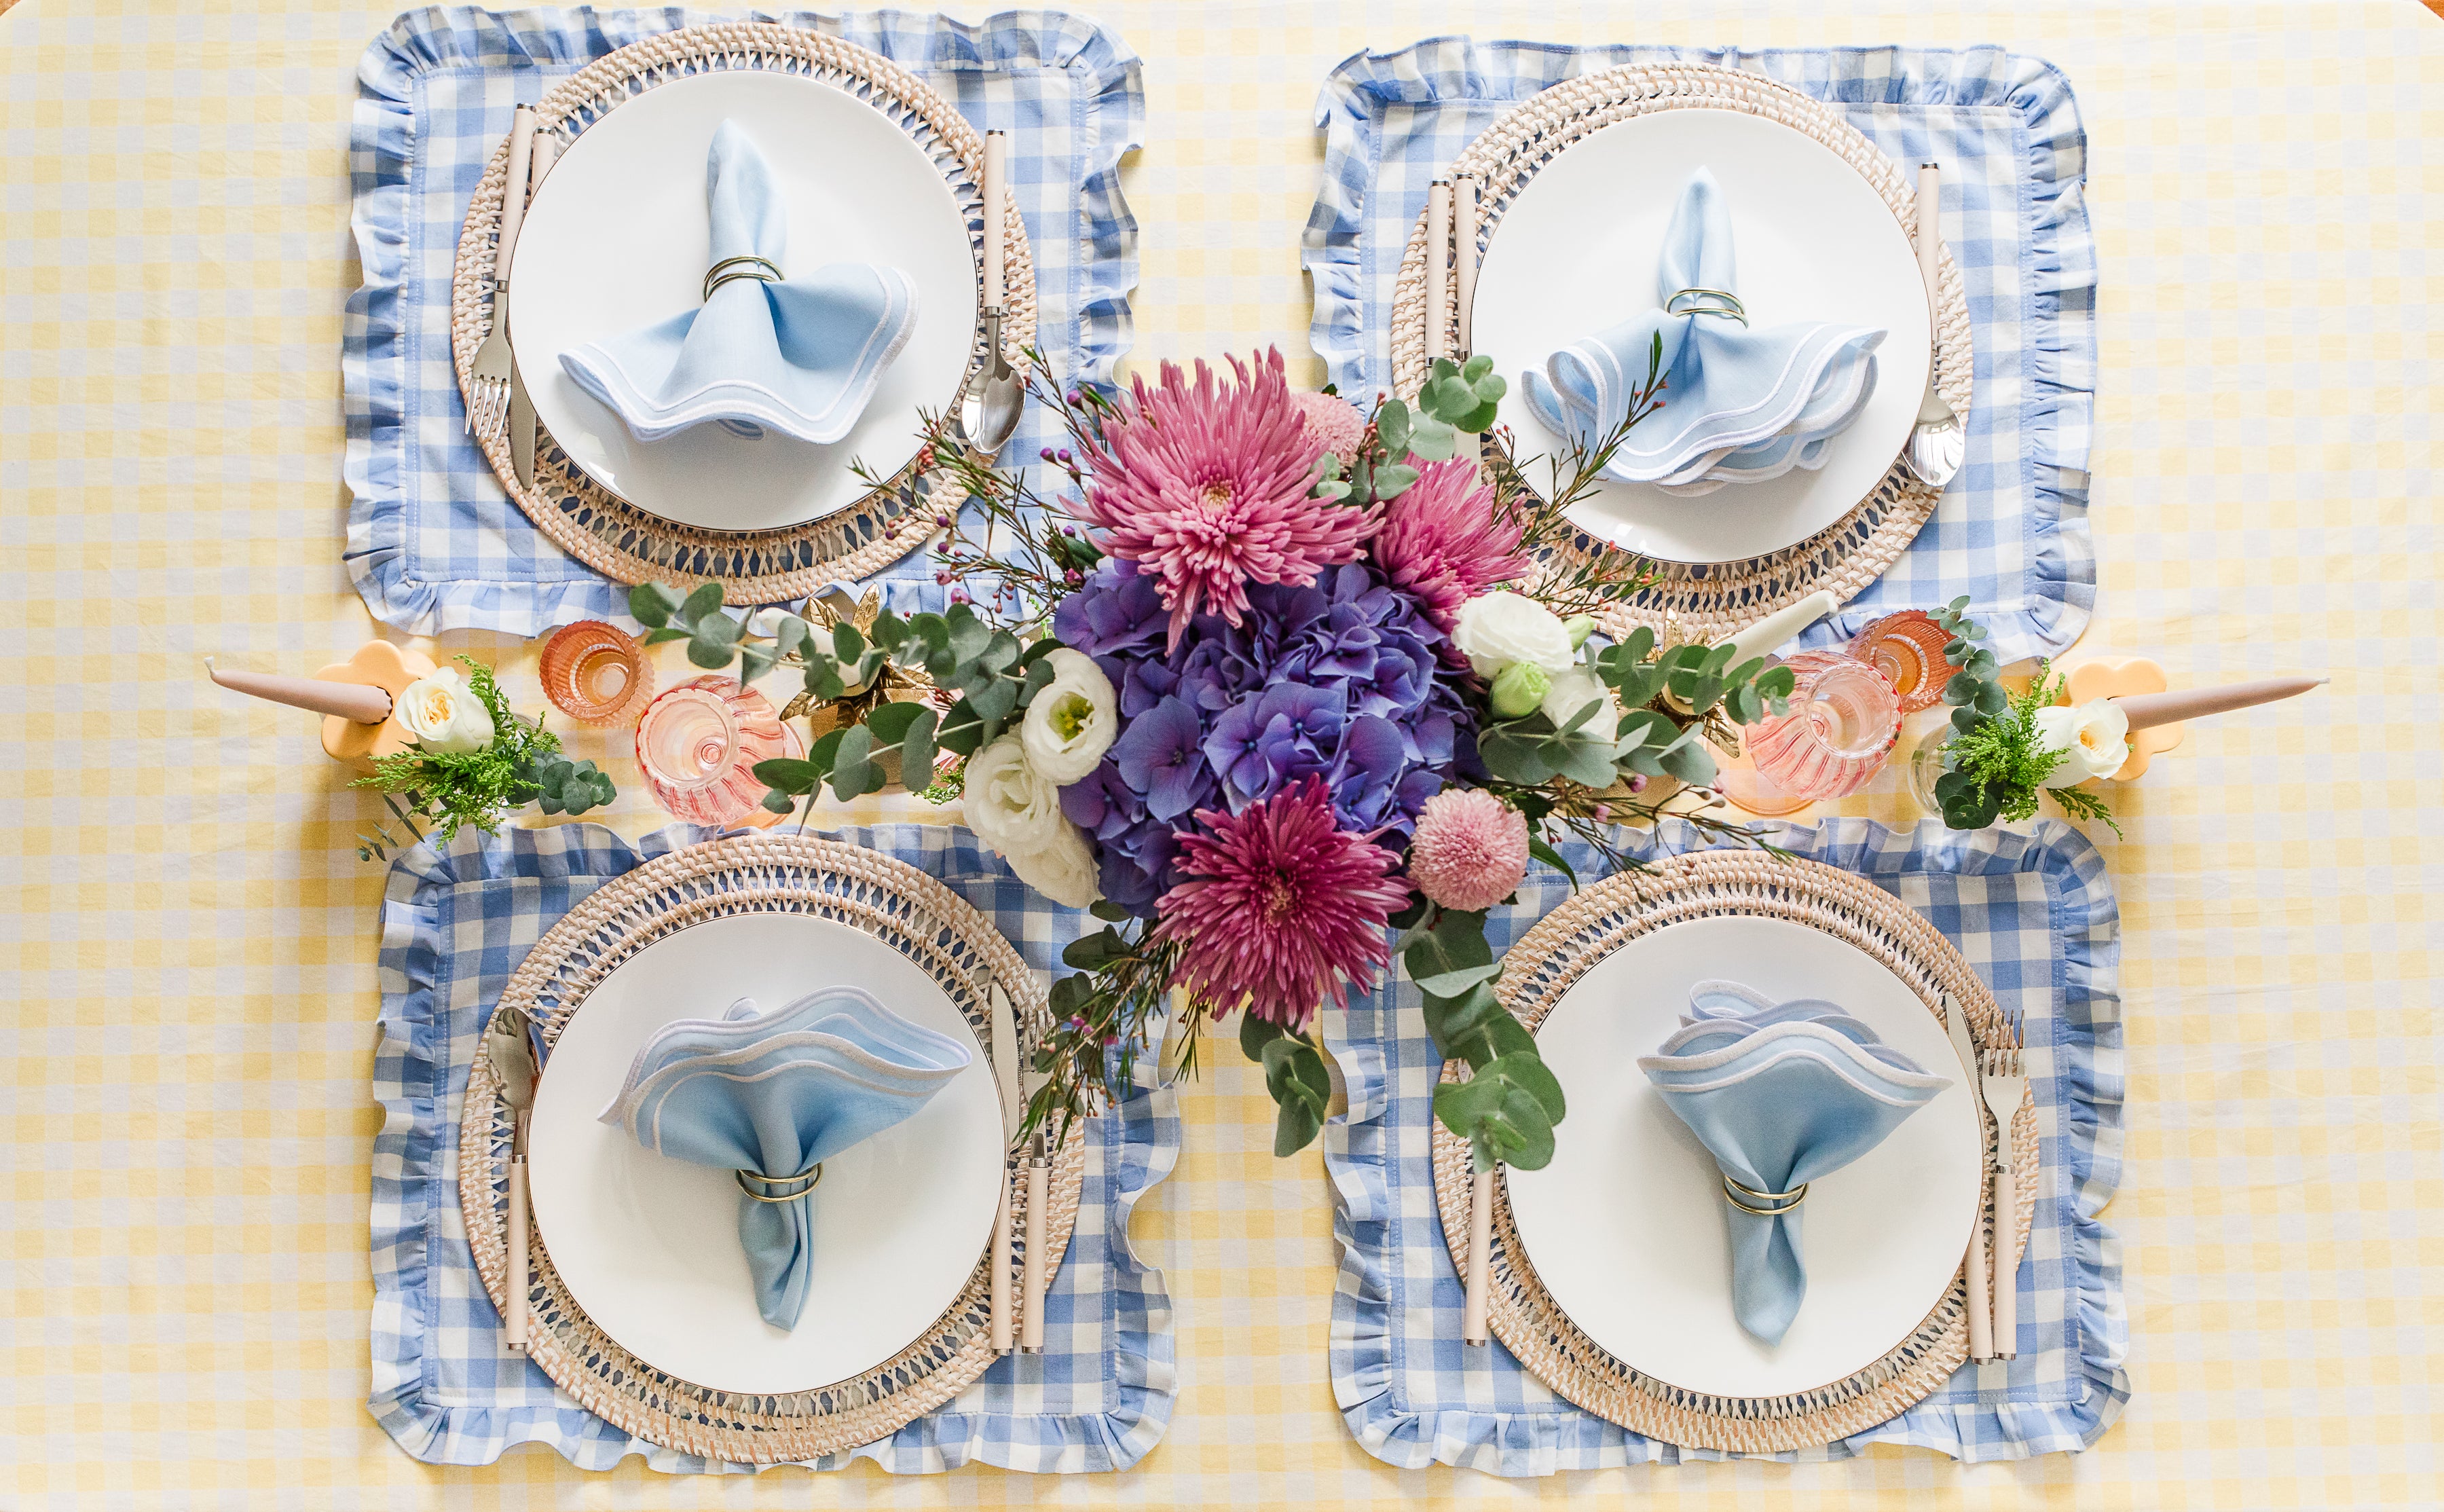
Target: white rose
[1008,802]
[1573,690]
[2097,734]
[444,714]
[1497,629]
[1062,870]
[1073,719]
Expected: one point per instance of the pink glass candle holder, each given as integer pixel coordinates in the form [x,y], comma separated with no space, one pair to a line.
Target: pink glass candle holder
[1843,720]
[597,675]
[698,745]
[1908,649]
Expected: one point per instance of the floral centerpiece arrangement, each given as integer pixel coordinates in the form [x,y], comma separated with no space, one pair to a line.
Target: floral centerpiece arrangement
[475,760]
[2004,751]
[1283,692]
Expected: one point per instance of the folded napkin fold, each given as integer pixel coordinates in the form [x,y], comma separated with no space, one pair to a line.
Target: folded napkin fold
[772,1095]
[1741,405]
[800,355]
[1780,1095]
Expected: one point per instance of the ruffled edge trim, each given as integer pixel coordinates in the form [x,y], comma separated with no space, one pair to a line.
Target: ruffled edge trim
[381,150]
[2058,269]
[1358,1154]
[1141,1149]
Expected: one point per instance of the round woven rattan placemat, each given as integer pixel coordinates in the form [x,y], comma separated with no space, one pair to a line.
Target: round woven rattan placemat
[1552,957]
[630,544]
[761,874]
[1710,600]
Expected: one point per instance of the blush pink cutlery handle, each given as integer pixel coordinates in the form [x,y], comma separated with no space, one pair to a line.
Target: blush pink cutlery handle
[1929,232]
[2006,1270]
[515,1323]
[1000,1262]
[1030,1317]
[513,193]
[1473,1326]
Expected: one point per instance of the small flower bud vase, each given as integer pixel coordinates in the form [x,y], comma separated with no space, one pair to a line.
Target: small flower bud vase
[595,674]
[698,745]
[1843,720]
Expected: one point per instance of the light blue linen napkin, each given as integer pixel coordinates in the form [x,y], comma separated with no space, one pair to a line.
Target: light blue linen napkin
[1740,405]
[774,1095]
[800,355]
[1780,1095]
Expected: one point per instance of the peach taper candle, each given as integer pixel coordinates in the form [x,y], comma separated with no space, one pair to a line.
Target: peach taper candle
[353,697]
[2146,710]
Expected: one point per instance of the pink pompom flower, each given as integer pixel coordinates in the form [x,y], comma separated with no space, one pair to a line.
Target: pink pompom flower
[1443,540]
[1333,421]
[1206,488]
[1471,849]
[1280,908]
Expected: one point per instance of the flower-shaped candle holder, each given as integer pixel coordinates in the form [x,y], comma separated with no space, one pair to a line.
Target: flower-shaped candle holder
[2121,678]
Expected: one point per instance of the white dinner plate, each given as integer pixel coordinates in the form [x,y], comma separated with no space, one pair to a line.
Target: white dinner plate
[1576,251]
[649,1246]
[616,239]
[1626,1226]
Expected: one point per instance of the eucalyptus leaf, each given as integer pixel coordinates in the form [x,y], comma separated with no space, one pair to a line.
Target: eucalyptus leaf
[889,724]
[1545,853]
[1393,480]
[705,601]
[651,603]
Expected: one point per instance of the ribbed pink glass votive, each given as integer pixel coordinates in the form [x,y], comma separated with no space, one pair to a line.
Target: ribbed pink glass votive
[1908,649]
[595,674]
[698,745]
[1843,720]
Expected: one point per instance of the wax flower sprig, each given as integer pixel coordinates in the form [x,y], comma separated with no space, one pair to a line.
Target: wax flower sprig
[2005,751]
[476,760]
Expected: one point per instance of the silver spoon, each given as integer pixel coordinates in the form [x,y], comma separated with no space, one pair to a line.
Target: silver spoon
[511,1053]
[1939,443]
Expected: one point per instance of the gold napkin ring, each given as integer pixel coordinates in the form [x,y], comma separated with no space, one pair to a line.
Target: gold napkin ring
[1729,307]
[1788,1201]
[811,1176]
[763,269]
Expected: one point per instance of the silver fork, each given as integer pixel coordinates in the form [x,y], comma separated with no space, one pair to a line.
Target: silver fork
[487,397]
[2004,1077]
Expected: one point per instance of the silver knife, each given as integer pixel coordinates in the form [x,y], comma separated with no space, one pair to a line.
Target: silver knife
[522,416]
[1005,1068]
[511,1052]
[1981,1309]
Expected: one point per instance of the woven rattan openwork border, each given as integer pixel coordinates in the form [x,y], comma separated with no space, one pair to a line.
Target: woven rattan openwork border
[761,874]
[1559,949]
[631,545]
[1710,599]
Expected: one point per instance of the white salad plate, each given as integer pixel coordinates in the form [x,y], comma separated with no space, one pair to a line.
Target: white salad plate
[649,1246]
[1626,1226]
[616,238]
[1576,252]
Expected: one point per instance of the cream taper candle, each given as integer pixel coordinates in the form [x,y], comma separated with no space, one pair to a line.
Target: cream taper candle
[1775,628]
[2147,710]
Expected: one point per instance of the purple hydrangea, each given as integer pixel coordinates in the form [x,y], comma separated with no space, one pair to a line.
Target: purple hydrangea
[1338,680]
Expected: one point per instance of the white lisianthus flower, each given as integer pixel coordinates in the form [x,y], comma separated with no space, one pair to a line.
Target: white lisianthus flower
[1073,719]
[1062,870]
[1499,629]
[1010,804]
[444,714]
[2097,734]
[1573,690]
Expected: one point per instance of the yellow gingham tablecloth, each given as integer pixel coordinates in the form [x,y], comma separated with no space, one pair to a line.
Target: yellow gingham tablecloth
[189,939]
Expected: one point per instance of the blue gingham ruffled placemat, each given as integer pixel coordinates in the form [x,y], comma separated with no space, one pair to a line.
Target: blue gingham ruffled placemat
[455,927]
[2034,915]
[2012,531]
[434,542]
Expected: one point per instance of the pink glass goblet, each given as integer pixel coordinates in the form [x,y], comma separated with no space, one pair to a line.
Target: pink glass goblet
[698,745]
[1908,649]
[1843,720]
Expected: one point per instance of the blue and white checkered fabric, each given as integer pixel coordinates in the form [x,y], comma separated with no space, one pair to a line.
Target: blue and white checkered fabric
[2012,531]
[455,927]
[434,542]
[2035,916]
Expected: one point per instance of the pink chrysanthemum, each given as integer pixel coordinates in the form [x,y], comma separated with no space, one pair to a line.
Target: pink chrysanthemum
[1471,849]
[1333,421]
[1206,488]
[1443,540]
[1280,906]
